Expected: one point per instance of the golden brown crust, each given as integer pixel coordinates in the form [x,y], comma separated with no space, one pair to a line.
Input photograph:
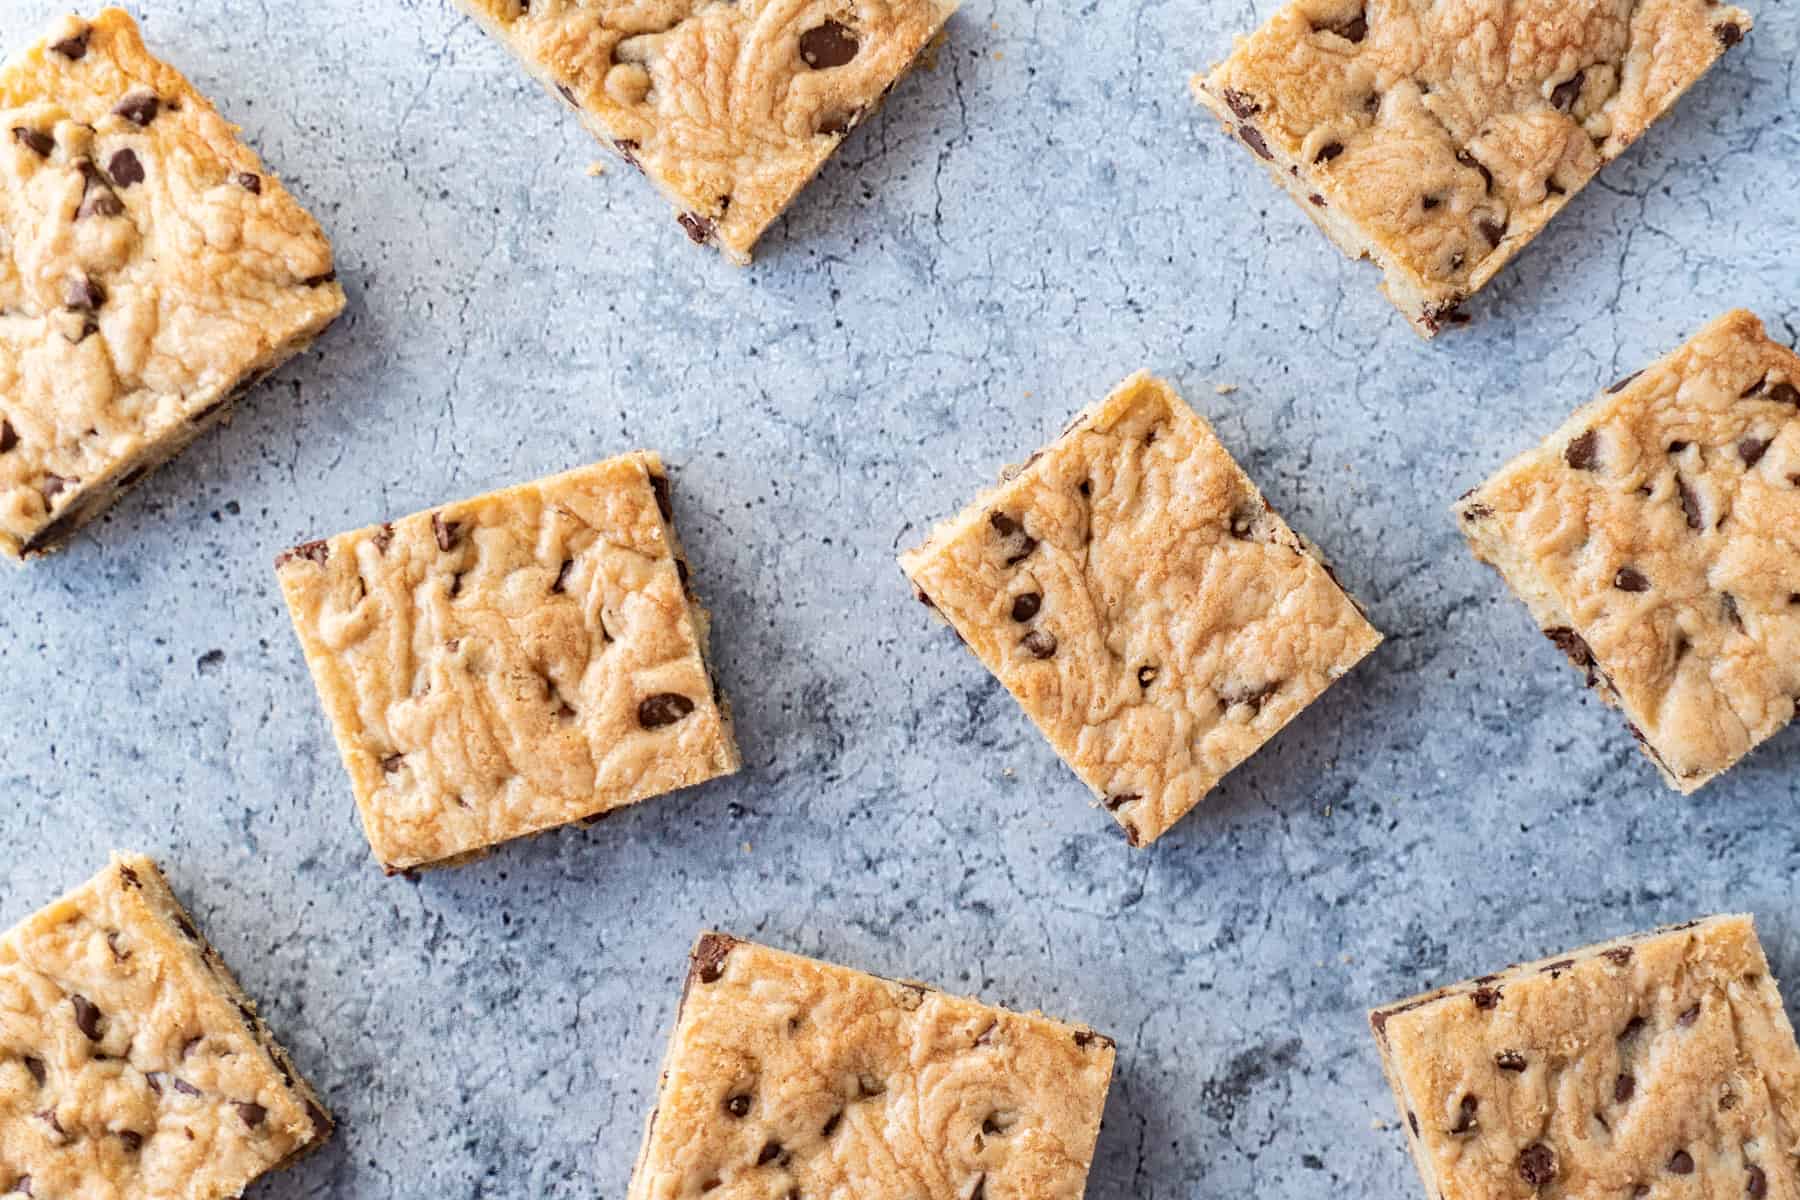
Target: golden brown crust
[1440,136]
[150,269]
[502,665]
[729,106]
[1660,1065]
[132,1066]
[1135,593]
[789,1076]
[1656,539]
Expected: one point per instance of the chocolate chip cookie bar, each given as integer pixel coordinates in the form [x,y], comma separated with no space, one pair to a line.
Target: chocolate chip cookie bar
[789,1077]
[1439,139]
[510,663]
[1138,597]
[151,270]
[131,1062]
[728,108]
[1655,538]
[1656,1066]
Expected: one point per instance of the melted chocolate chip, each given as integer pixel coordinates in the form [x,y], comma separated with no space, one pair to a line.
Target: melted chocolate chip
[1537,1165]
[831,1123]
[1619,955]
[140,108]
[253,1114]
[1354,30]
[319,280]
[183,1086]
[709,957]
[1466,1121]
[1756,1184]
[83,294]
[1729,603]
[699,229]
[1115,803]
[1494,231]
[316,551]
[1565,94]
[1026,605]
[1430,202]
[99,202]
[1040,643]
[40,144]
[249,181]
[447,533]
[1630,579]
[664,708]
[87,1017]
[829,45]
[8,439]
[125,169]
[1624,1088]
[562,576]
[1328,152]
[1751,450]
[132,1140]
[1241,105]
[1146,676]
[1682,1163]
[1686,1020]
[1583,454]
[1785,393]
[1624,383]
[74,47]
[1254,139]
[35,1066]
[738,1105]
[1690,503]
[1486,998]
[1729,34]
[1474,164]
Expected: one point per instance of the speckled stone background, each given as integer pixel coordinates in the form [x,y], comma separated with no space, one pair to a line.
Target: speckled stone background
[1021,227]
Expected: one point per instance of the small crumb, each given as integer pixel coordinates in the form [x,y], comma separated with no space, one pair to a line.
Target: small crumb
[746,847]
[1347,960]
[1008,773]
[1328,807]
[1378,1125]
[998,56]
[596,169]
[1225,389]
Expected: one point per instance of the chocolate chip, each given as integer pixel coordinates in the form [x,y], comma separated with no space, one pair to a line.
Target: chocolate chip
[253,1114]
[183,1086]
[1682,1163]
[1486,999]
[769,1153]
[1317,200]
[75,47]
[1619,955]
[664,708]
[392,762]
[831,1123]
[1630,579]
[41,144]
[316,551]
[1430,202]
[87,1017]
[1785,393]
[1624,383]
[699,229]
[1686,1020]
[193,935]
[1729,603]
[1494,231]
[383,538]
[1565,94]
[447,533]
[83,294]
[1412,1120]
[738,1105]
[8,439]
[132,1140]
[1474,164]
[1466,1122]
[1328,152]
[831,44]
[1690,503]
[1584,452]
[1555,969]
[1353,30]
[1677,446]
[1026,605]
[35,1066]
[1253,697]
[1756,1184]
[249,181]
[1751,450]
[1624,1087]
[140,108]
[1254,140]
[319,280]
[627,148]
[562,575]
[99,202]
[1754,388]
[1115,803]
[1040,643]
[659,484]
[1241,105]
[1146,676]
[125,169]
[1729,34]
[1537,1164]
[56,485]
[1574,647]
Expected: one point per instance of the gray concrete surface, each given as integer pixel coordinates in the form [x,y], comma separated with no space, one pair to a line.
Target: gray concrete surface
[1019,229]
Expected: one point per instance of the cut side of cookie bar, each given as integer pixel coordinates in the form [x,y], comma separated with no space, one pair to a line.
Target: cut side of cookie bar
[1135,593]
[1655,538]
[131,1062]
[1439,139]
[791,1077]
[500,666]
[1654,1067]
[151,270]
[730,108]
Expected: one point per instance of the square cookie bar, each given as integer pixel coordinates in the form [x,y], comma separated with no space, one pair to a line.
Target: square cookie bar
[1655,538]
[151,270]
[790,1077]
[1648,1068]
[728,108]
[510,663]
[132,1065]
[1439,139]
[1135,593]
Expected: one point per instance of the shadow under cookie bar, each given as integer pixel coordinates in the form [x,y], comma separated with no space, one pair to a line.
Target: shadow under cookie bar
[503,665]
[158,271]
[1438,143]
[789,1076]
[1662,1064]
[1132,589]
[132,1062]
[1655,538]
[729,109]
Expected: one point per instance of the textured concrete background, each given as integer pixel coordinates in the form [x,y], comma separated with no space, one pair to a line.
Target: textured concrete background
[1019,229]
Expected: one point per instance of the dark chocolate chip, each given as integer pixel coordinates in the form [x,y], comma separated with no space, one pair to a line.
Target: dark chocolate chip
[1486,998]
[316,551]
[664,708]
[1146,676]
[253,1114]
[1785,393]
[1687,1019]
[1241,105]
[250,181]
[41,144]
[83,294]
[1751,450]
[1690,503]
[1564,96]
[1466,1121]
[1682,1163]
[1555,969]
[132,1140]
[831,1123]
[1253,698]
[1729,34]
[1328,152]
[738,1105]
[831,44]
[183,1086]
[1630,579]
[1537,1165]
[125,168]
[1474,164]
[1583,454]
[140,108]
[627,151]
[1756,1184]
[660,485]
[447,533]
[1040,643]
[1624,383]
[319,280]
[1026,605]
[1729,603]
[8,439]
[1116,802]
[1624,1088]
[1430,202]
[383,538]
[562,575]
[391,763]
[56,485]
[1494,231]
[1254,139]
[1412,1120]
[1317,200]
[1619,955]
[699,229]
[73,47]
[87,1017]
[35,1066]
[1353,30]
[99,202]
[1754,388]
